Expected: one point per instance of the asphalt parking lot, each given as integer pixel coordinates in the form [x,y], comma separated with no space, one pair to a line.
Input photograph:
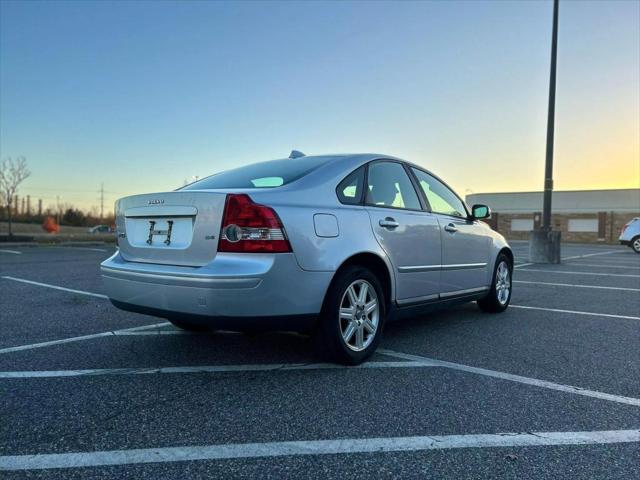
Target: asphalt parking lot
[548,389]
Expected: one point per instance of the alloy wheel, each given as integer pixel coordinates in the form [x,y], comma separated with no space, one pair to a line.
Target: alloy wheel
[503,283]
[359,315]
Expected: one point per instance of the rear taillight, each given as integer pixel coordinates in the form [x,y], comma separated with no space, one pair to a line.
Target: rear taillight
[251,228]
[624,228]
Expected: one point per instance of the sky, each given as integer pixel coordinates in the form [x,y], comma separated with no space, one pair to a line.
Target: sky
[140,96]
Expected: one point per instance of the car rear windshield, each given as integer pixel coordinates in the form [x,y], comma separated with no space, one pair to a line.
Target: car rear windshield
[271,174]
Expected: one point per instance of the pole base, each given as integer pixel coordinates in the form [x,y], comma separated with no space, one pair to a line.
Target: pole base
[544,246]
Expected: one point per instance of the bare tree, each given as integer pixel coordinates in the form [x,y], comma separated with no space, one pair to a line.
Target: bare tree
[12,174]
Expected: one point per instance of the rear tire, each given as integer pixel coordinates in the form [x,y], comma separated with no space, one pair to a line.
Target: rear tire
[190,327]
[352,318]
[635,244]
[498,298]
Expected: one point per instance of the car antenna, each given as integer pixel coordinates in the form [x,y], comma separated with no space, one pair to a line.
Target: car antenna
[296,154]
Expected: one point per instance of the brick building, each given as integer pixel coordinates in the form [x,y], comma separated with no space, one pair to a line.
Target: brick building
[581,215]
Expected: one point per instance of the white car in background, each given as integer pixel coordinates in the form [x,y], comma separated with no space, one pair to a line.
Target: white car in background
[630,235]
[100,229]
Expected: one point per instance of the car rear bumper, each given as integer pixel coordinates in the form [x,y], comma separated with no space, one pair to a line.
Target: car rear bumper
[625,242]
[233,286]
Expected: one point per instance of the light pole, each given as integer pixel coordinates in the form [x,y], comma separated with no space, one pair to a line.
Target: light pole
[544,244]
[548,167]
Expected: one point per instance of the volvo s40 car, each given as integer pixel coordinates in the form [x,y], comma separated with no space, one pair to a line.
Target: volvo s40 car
[335,245]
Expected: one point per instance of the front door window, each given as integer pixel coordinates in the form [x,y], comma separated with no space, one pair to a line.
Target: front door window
[440,198]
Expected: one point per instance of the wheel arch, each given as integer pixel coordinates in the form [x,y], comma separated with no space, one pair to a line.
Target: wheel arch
[509,253]
[377,265]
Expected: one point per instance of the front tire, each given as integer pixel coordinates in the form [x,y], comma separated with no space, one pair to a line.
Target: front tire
[498,298]
[352,317]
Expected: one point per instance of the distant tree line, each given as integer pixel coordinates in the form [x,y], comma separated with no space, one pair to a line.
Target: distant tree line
[68,215]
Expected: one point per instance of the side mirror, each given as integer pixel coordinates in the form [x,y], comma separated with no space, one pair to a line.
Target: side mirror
[480,212]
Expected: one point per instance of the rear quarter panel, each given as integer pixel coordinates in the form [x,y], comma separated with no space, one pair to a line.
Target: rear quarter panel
[297,207]
[328,253]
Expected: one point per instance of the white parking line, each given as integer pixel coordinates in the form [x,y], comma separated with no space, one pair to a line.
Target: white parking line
[408,361]
[608,263]
[55,287]
[578,286]
[623,257]
[522,255]
[608,252]
[104,250]
[575,312]
[314,447]
[15,252]
[268,367]
[514,378]
[603,265]
[121,333]
[163,332]
[78,339]
[600,274]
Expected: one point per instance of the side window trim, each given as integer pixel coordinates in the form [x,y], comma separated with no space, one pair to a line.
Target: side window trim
[464,205]
[366,186]
[424,201]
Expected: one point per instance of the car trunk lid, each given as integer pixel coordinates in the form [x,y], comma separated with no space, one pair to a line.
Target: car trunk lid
[173,228]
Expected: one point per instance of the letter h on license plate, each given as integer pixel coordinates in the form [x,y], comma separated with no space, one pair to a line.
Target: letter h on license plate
[153,231]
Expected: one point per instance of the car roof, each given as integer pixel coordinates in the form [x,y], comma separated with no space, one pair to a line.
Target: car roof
[342,157]
[348,160]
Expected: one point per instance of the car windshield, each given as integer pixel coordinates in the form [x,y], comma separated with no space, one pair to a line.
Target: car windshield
[271,174]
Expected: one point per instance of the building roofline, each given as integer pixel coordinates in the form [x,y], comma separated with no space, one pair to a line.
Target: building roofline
[555,191]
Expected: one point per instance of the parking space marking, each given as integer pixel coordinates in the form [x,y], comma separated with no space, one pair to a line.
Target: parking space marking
[523,255]
[608,263]
[55,287]
[79,339]
[578,286]
[514,378]
[127,333]
[313,447]
[600,274]
[267,367]
[15,252]
[608,252]
[575,312]
[103,250]
[603,265]
[623,256]
[162,332]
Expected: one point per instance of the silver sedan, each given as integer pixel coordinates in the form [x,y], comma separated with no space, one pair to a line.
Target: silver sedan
[333,245]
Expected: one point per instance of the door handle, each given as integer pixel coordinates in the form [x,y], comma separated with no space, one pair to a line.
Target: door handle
[389,222]
[451,228]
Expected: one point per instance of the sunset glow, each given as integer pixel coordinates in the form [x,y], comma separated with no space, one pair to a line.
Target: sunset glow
[141,96]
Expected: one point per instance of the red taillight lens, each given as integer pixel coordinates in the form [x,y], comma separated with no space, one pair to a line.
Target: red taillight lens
[624,228]
[251,228]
